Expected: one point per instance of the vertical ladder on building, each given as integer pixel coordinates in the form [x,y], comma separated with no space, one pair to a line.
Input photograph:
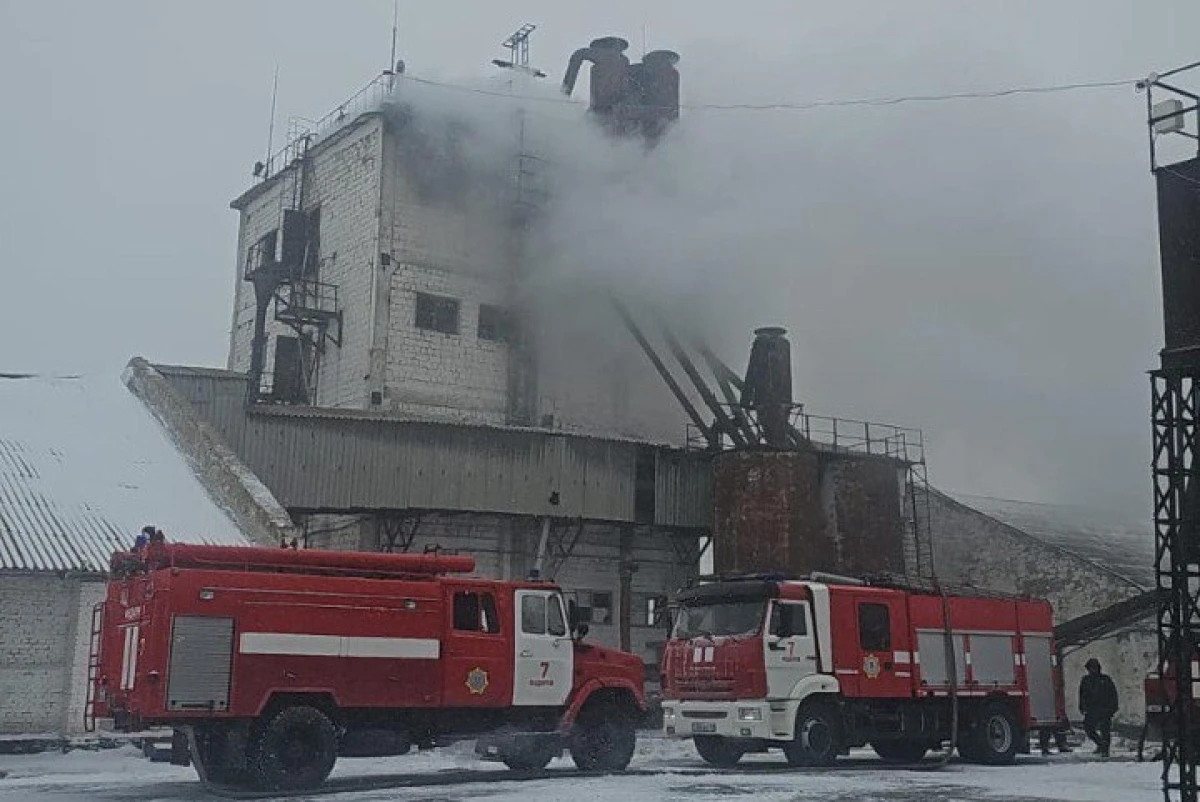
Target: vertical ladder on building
[918,532]
[93,668]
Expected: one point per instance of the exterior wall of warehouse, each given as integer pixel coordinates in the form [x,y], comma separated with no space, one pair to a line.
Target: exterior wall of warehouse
[45,627]
[974,549]
[342,178]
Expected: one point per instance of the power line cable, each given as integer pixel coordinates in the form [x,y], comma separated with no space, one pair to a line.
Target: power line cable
[814,104]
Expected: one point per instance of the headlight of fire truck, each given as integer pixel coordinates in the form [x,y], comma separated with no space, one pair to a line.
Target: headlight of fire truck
[749,714]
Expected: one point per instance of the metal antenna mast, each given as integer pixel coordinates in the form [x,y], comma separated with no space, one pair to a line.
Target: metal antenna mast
[1175,416]
[395,25]
[518,45]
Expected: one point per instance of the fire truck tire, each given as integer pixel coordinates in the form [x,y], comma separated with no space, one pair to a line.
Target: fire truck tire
[995,737]
[818,736]
[719,751]
[604,737]
[900,751]
[534,757]
[294,750]
[219,755]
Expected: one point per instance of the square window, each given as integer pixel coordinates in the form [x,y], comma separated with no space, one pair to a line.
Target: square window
[650,610]
[789,620]
[437,313]
[475,612]
[594,606]
[466,612]
[493,324]
[874,628]
[533,615]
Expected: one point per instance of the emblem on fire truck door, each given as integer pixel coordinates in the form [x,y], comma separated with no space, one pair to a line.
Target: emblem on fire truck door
[871,666]
[477,680]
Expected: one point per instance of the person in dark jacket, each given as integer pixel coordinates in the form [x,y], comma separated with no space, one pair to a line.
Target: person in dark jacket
[1098,703]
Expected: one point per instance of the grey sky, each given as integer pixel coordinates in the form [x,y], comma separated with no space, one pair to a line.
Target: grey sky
[985,270]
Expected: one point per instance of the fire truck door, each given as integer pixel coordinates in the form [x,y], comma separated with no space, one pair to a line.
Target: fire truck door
[790,648]
[885,658]
[475,652]
[544,651]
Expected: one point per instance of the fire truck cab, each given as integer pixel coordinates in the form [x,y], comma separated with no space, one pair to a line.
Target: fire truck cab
[271,663]
[817,667]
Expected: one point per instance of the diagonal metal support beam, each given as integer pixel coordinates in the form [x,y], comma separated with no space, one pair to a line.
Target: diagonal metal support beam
[654,358]
[727,425]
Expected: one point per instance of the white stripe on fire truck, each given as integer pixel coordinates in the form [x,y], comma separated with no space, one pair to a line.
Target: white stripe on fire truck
[339,645]
[130,656]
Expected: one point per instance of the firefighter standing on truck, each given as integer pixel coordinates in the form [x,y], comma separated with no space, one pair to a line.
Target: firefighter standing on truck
[1098,703]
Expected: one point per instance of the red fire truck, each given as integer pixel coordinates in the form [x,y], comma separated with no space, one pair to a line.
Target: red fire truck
[817,667]
[271,663]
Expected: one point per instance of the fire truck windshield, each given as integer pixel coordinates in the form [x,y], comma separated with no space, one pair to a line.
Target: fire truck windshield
[718,619]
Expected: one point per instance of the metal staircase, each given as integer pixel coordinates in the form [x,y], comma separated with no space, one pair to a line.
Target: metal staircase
[284,266]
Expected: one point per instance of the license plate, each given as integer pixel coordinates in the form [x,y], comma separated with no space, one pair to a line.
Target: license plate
[703,726]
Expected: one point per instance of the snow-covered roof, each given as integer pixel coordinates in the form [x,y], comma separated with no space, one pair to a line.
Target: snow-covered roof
[1121,542]
[83,467]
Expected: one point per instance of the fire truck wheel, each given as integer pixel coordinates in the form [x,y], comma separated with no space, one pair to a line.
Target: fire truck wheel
[220,753]
[294,750]
[817,740]
[900,751]
[533,757]
[995,738]
[718,751]
[604,738]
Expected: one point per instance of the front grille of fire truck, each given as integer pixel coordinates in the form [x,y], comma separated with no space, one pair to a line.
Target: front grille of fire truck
[704,687]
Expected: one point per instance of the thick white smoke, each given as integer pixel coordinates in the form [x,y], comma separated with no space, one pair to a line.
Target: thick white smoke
[926,279]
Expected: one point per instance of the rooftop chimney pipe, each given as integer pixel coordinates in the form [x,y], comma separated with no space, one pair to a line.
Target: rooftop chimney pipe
[768,386]
[610,72]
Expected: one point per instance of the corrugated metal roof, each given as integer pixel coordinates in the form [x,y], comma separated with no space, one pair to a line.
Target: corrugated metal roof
[83,466]
[1115,540]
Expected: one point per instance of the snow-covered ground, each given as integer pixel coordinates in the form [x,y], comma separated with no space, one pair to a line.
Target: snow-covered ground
[123,774]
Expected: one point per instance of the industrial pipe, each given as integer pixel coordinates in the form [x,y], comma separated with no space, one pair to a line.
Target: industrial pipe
[251,558]
[610,70]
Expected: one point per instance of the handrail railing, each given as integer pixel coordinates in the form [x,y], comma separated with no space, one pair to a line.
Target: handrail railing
[306,133]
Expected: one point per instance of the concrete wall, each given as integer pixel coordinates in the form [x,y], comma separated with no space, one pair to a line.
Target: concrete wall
[453,376]
[44,637]
[971,548]
[444,223]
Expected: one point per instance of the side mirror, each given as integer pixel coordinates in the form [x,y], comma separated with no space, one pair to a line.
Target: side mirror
[572,614]
[581,632]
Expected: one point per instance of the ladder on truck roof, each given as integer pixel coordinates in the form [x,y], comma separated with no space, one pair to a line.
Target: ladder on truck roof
[93,668]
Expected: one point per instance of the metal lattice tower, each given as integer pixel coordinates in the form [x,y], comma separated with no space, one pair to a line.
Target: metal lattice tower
[1175,389]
